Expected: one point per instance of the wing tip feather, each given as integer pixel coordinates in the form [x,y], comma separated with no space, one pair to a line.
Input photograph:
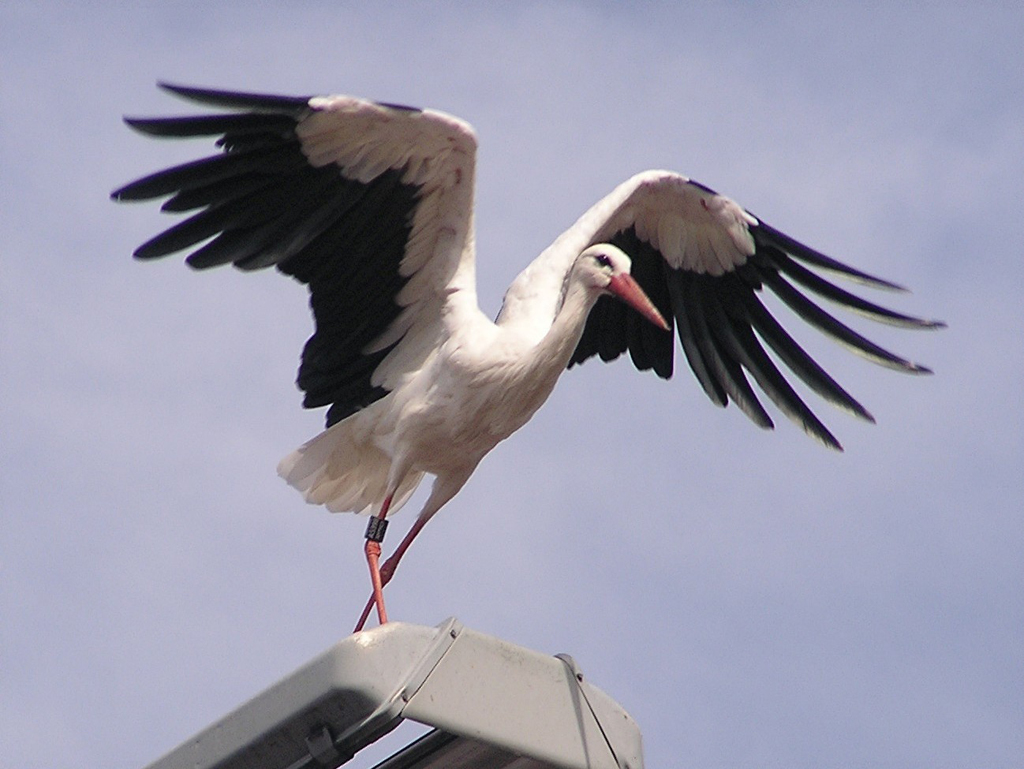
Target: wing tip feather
[236,99]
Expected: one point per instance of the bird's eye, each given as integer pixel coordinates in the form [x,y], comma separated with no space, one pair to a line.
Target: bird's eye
[603,260]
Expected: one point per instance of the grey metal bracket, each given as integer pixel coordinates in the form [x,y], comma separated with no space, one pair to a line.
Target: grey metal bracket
[491,703]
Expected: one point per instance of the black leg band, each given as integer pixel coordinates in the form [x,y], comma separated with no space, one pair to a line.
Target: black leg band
[375,529]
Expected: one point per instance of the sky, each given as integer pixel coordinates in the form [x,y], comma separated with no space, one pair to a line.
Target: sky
[749,597]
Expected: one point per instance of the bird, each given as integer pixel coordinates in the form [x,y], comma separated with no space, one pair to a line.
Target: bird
[371,205]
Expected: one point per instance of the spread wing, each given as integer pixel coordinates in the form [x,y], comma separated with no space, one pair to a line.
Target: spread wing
[704,261]
[368,204]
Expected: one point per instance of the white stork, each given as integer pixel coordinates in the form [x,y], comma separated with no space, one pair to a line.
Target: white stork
[371,206]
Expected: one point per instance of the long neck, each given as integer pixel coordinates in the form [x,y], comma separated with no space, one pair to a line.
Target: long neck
[529,381]
[557,346]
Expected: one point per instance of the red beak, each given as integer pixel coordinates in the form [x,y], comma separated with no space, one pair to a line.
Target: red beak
[624,287]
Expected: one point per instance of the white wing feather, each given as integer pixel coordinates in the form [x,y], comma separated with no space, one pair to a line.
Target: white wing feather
[694,228]
[438,153]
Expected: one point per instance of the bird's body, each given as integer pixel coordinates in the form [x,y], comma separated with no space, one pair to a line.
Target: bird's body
[371,205]
[480,385]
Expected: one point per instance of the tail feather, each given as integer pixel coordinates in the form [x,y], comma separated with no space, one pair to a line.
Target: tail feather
[345,474]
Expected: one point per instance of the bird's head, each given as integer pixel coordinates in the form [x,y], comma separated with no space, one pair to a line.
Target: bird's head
[604,268]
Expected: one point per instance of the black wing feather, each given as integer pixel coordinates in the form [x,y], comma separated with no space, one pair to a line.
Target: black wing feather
[260,203]
[722,326]
[822,287]
[688,340]
[825,322]
[223,191]
[712,339]
[287,105]
[795,358]
[235,126]
[765,236]
[743,346]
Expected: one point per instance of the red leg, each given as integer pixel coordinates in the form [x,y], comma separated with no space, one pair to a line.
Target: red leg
[384,574]
[387,571]
[372,556]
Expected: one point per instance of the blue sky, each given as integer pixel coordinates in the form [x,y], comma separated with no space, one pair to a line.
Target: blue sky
[749,597]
